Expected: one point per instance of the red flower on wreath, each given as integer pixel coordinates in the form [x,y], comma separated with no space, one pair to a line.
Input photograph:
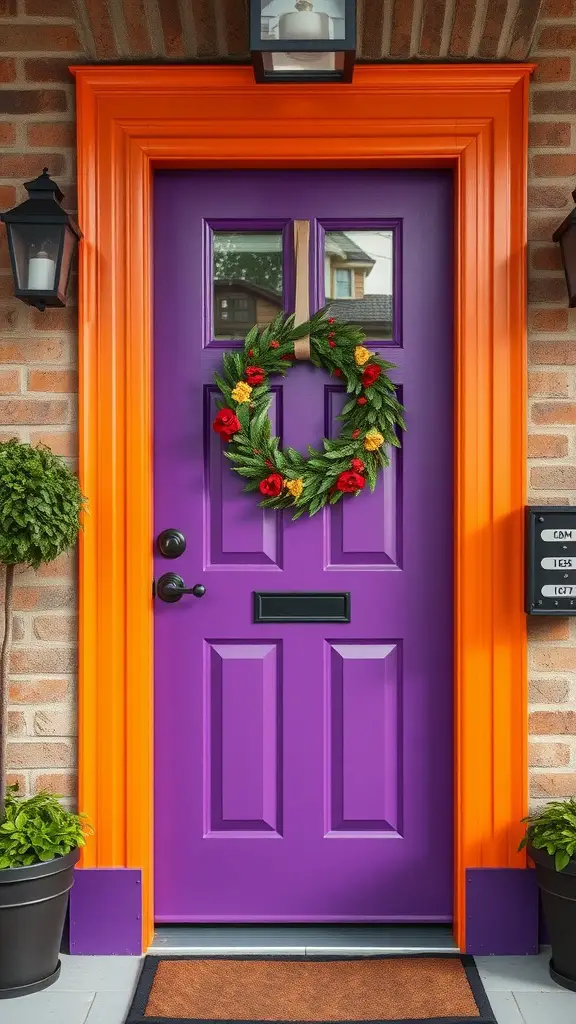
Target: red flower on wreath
[356,433]
[289,356]
[357,465]
[361,400]
[274,344]
[350,482]
[271,486]
[371,374]
[332,344]
[331,320]
[226,424]
[336,373]
[255,375]
[250,351]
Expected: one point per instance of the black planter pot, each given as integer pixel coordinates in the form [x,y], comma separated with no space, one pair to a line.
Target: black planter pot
[558,893]
[33,904]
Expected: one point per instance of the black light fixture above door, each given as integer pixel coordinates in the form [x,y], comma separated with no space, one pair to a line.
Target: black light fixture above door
[42,238]
[303,40]
[565,235]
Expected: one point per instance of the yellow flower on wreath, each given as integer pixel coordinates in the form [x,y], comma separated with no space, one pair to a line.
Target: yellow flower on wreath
[242,392]
[361,355]
[373,440]
[294,487]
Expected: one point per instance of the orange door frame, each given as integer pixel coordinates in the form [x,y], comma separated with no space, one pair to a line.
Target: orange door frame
[133,119]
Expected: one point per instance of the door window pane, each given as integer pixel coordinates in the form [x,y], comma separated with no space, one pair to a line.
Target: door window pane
[359,277]
[247,280]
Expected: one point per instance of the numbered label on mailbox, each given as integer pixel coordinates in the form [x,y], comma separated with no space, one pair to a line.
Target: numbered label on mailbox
[551,560]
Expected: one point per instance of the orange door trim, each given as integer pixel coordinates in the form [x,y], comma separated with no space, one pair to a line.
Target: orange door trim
[133,119]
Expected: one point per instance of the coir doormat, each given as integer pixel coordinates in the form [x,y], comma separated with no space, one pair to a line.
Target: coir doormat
[443,989]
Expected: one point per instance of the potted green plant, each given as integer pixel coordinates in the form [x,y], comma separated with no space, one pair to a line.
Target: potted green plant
[40,506]
[551,843]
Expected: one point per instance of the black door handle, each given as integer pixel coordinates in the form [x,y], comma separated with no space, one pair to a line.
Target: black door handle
[170,588]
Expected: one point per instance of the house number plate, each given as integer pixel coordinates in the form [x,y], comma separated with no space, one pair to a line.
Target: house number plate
[551,560]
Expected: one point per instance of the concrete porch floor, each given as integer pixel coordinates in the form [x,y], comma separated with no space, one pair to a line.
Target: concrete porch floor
[98,990]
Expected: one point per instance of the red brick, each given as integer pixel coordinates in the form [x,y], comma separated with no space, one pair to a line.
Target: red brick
[8,8]
[547,289]
[51,69]
[9,382]
[462,28]
[172,28]
[557,9]
[63,319]
[554,412]
[7,196]
[558,784]
[554,384]
[43,598]
[42,661]
[24,165]
[24,350]
[40,755]
[553,69]
[7,134]
[547,446]
[16,723]
[63,566]
[55,627]
[554,101]
[65,381]
[33,411]
[557,37]
[39,691]
[549,477]
[64,442]
[549,691]
[546,257]
[553,353]
[549,755]
[17,38]
[553,723]
[59,783]
[136,21]
[32,101]
[101,29]
[493,25]
[7,69]
[400,29]
[550,133]
[548,628]
[56,133]
[548,320]
[57,9]
[554,165]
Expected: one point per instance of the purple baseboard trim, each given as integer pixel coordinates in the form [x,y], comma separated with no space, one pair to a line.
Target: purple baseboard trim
[501,911]
[106,912]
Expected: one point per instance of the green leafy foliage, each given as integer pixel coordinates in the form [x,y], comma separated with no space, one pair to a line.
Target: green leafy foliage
[255,453]
[38,829]
[553,828]
[40,504]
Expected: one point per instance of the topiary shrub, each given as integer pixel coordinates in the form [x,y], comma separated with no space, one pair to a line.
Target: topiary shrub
[40,506]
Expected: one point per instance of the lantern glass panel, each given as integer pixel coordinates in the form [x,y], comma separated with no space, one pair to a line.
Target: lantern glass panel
[36,249]
[568,247]
[303,20]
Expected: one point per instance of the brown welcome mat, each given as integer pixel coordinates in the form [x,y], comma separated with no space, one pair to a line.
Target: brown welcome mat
[443,989]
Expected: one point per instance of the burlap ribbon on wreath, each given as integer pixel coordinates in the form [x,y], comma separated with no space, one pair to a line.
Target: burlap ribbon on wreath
[302,303]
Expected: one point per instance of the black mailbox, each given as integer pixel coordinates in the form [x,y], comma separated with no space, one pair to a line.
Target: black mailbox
[550,560]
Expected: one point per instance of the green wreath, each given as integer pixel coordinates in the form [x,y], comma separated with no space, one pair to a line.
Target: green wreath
[371,417]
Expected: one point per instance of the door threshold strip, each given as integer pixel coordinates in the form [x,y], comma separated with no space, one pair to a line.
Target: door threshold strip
[301,940]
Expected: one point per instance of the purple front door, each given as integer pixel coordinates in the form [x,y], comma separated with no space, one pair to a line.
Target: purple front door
[304,770]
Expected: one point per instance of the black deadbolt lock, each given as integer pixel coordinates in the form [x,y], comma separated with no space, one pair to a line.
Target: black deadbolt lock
[171,543]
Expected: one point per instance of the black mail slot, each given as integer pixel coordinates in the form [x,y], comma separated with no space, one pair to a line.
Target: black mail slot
[301,606]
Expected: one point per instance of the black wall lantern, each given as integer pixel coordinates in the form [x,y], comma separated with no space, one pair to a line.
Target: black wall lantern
[303,40]
[42,238]
[566,236]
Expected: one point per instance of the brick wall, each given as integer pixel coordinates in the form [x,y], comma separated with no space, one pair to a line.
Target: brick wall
[37,382]
[552,385]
